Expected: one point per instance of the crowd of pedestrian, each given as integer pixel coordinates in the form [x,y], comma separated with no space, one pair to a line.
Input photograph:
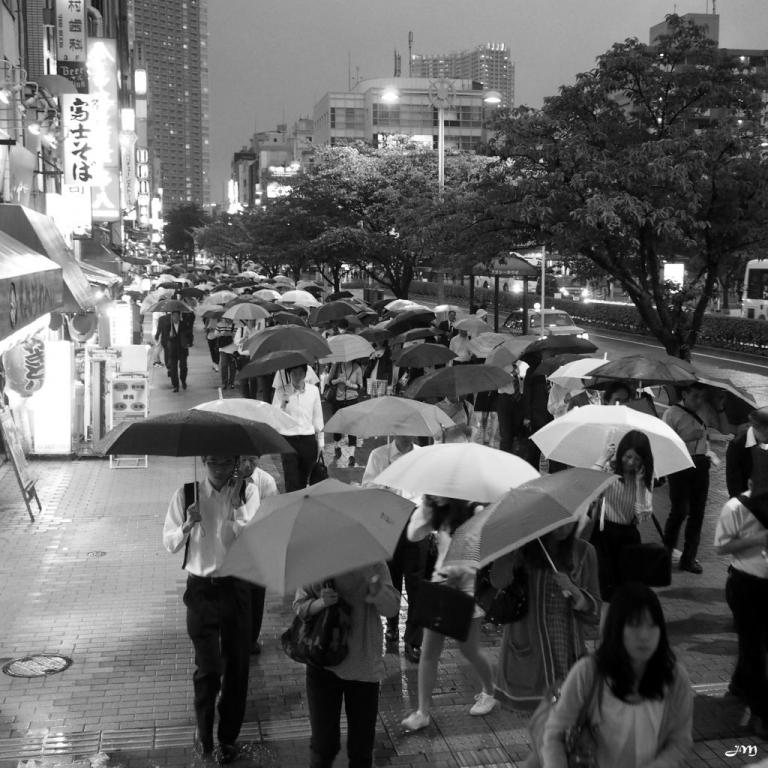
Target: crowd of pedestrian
[631,690]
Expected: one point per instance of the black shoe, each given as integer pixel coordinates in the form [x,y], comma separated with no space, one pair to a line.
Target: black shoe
[255,648]
[692,566]
[175,389]
[391,635]
[759,727]
[228,753]
[351,462]
[412,653]
[183,384]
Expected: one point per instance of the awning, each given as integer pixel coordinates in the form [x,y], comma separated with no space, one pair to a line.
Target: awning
[98,275]
[30,285]
[97,254]
[39,233]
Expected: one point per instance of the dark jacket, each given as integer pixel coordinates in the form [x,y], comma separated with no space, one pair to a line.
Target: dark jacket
[183,340]
[738,466]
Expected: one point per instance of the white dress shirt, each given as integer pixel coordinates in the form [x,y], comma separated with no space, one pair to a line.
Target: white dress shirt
[737,522]
[264,482]
[461,346]
[378,460]
[305,407]
[221,523]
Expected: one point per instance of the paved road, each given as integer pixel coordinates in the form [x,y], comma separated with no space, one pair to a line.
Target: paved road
[90,581]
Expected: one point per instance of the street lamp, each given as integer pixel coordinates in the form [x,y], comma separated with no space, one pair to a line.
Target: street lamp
[492,98]
[390,95]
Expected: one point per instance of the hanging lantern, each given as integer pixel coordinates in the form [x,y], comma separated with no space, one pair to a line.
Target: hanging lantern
[24,367]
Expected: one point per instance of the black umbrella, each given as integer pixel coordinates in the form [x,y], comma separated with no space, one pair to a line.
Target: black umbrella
[340,295]
[169,284]
[551,364]
[170,305]
[191,293]
[133,294]
[375,335]
[424,355]
[287,318]
[217,313]
[192,433]
[330,313]
[414,334]
[646,370]
[458,380]
[137,260]
[287,337]
[381,303]
[560,345]
[270,362]
[411,318]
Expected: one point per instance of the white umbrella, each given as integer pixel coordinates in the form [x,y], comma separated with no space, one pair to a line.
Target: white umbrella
[402,305]
[570,375]
[221,297]
[458,470]
[253,410]
[346,347]
[389,416]
[474,326]
[267,294]
[579,437]
[302,298]
[246,312]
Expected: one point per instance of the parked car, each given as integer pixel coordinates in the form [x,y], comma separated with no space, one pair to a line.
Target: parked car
[556,323]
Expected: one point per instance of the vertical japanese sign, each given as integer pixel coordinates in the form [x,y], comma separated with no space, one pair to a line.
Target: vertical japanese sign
[79,121]
[105,167]
[71,35]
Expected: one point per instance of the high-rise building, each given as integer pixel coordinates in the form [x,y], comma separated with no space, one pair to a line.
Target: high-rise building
[488,64]
[173,38]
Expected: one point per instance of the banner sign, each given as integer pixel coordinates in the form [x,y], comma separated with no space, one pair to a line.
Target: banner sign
[71,46]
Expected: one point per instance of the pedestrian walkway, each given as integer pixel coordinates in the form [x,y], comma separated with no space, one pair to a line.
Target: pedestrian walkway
[90,581]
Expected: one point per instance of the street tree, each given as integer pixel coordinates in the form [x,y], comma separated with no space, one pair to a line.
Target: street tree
[652,156]
[180,225]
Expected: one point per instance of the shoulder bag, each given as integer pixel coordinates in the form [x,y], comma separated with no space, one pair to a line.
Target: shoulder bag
[444,609]
[320,640]
[505,605]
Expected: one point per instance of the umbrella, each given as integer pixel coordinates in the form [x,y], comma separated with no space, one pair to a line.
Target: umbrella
[246,312]
[551,364]
[191,293]
[242,284]
[413,335]
[389,416]
[458,380]
[251,410]
[222,297]
[375,335]
[398,305]
[168,284]
[209,313]
[287,318]
[316,533]
[560,344]
[192,433]
[738,402]
[501,357]
[474,326]
[304,298]
[340,295]
[346,347]
[287,337]
[411,318]
[306,285]
[457,470]
[646,370]
[329,313]
[283,280]
[270,362]
[170,305]
[268,294]
[445,308]
[571,374]
[133,294]
[423,355]
[537,507]
[579,437]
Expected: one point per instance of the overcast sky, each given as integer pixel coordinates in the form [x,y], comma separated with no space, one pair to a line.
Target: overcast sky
[271,60]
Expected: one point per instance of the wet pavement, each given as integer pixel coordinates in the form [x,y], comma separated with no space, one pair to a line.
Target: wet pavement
[90,581]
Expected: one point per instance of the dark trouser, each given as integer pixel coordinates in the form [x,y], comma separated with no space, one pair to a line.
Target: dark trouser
[688,491]
[258,595]
[176,363]
[337,405]
[325,692]
[747,598]
[213,349]
[510,420]
[249,388]
[297,466]
[608,544]
[219,625]
[227,368]
[409,564]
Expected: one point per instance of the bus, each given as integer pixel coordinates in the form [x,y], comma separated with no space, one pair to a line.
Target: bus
[754,300]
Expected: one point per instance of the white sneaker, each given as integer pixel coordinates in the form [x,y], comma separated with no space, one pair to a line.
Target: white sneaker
[415,721]
[676,555]
[484,704]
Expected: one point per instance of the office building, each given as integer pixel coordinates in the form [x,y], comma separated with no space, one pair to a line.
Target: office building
[363,115]
[172,37]
[488,64]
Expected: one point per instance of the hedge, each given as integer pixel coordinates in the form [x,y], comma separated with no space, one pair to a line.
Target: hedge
[736,334]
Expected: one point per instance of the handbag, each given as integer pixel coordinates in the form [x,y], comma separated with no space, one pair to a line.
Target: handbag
[649,563]
[505,605]
[319,640]
[444,609]
[319,471]
[580,739]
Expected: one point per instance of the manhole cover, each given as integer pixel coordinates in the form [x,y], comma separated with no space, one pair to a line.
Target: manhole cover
[96,553]
[40,665]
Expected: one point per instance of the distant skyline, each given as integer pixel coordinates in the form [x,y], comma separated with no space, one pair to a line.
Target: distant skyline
[270,62]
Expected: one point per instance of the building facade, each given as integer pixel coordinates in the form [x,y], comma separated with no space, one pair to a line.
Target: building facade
[488,64]
[172,37]
[362,114]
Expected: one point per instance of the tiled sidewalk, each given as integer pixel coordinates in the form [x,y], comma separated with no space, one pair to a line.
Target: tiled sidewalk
[91,581]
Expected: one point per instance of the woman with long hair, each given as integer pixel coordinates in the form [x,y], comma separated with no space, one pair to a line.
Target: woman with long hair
[539,649]
[456,526]
[625,503]
[638,697]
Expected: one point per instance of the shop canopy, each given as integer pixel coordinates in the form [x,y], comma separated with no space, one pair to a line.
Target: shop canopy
[99,276]
[38,233]
[30,285]
[98,255]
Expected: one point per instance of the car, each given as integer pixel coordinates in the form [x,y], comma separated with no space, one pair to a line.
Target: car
[556,323]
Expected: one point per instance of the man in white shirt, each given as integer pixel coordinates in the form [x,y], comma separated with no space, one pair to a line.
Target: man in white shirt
[218,608]
[409,560]
[461,346]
